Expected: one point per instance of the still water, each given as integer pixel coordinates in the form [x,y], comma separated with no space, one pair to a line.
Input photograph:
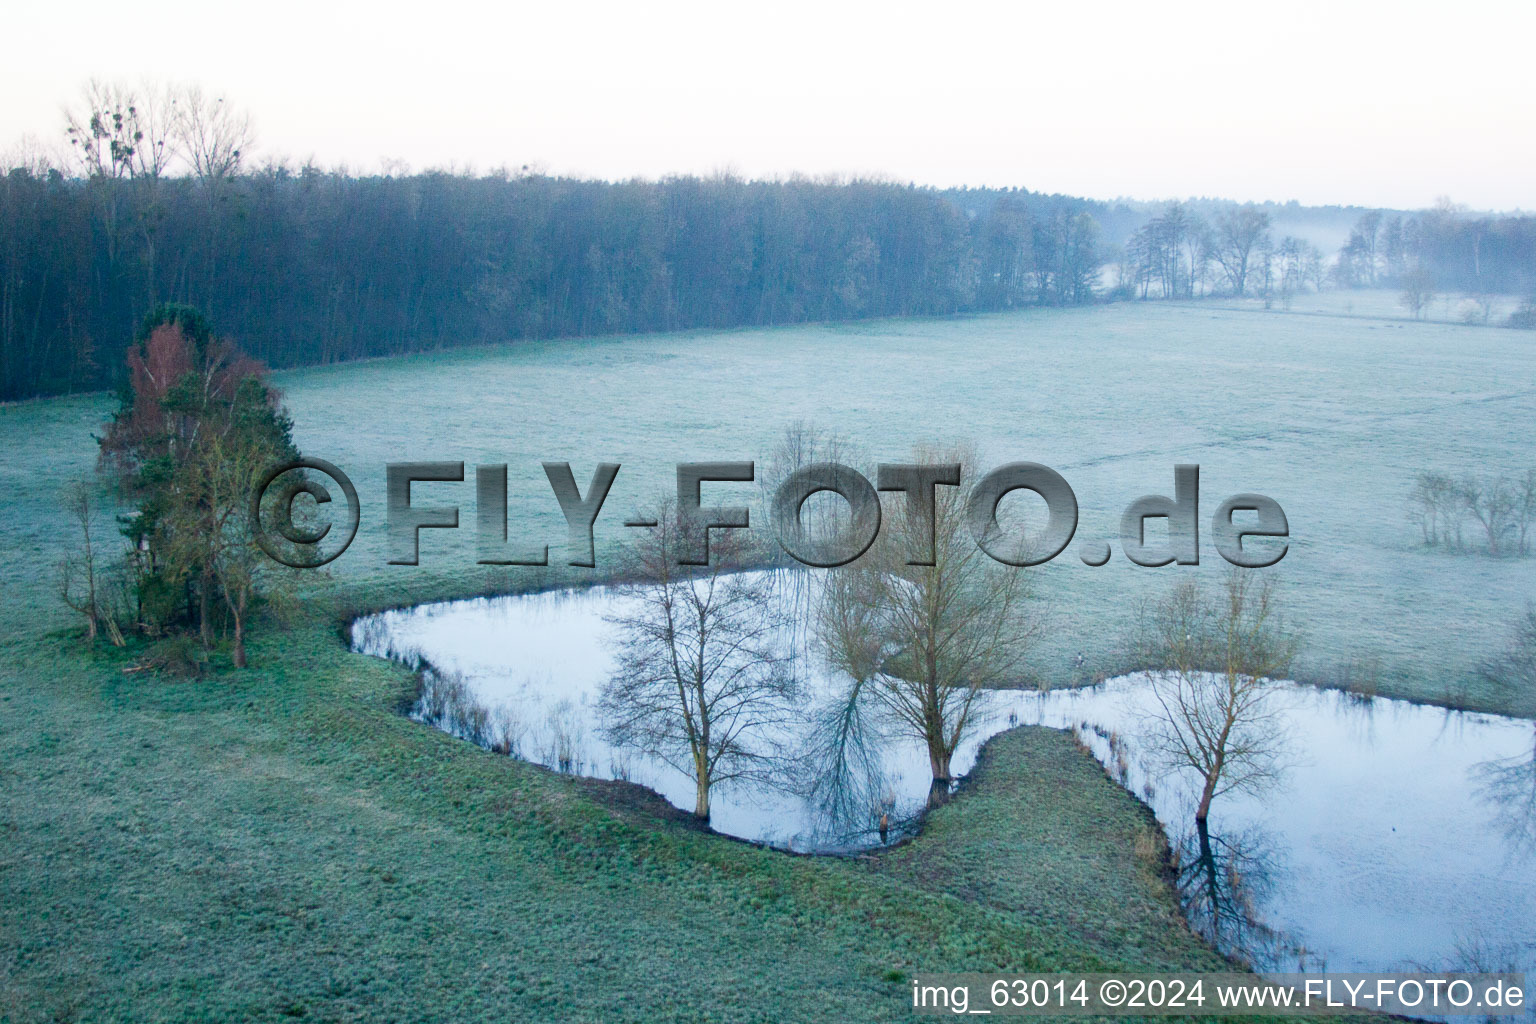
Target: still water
[1398,836]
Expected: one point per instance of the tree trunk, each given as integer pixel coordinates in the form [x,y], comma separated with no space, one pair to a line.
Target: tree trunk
[701,798]
[204,627]
[938,760]
[938,793]
[239,642]
[1207,863]
[237,613]
[1203,812]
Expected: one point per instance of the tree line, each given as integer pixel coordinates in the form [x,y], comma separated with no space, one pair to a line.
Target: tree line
[1477,255]
[1180,255]
[158,200]
[158,203]
[1497,509]
[1444,249]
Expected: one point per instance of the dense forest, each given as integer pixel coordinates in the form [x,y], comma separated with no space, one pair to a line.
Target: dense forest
[312,267]
[156,203]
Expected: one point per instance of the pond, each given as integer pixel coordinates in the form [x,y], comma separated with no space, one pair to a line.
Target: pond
[1398,835]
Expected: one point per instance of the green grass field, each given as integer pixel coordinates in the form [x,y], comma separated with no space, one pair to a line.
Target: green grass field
[282,843]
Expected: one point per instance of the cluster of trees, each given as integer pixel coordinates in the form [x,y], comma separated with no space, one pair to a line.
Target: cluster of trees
[159,203]
[1497,510]
[1441,249]
[197,426]
[1180,255]
[919,628]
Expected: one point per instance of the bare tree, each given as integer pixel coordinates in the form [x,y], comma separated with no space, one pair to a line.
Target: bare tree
[922,643]
[1524,498]
[211,135]
[1435,506]
[229,466]
[1298,262]
[105,136]
[122,138]
[1494,503]
[81,582]
[1212,663]
[1418,290]
[703,681]
[802,444]
[1197,246]
[1514,670]
[1238,234]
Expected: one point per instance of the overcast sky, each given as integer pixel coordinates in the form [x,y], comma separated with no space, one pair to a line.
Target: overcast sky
[1389,104]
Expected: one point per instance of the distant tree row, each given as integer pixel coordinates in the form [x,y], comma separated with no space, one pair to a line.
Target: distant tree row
[301,266]
[1178,254]
[1442,249]
[1495,512]
[158,201]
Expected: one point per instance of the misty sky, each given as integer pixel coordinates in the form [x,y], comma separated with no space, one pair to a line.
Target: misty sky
[1388,104]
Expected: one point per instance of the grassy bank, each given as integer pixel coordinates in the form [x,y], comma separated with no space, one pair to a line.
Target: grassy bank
[1041,833]
[280,843]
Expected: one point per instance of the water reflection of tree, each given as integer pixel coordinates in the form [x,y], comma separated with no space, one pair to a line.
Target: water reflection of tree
[842,776]
[925,624]
[1224,882]
[796,590]
[1508,786]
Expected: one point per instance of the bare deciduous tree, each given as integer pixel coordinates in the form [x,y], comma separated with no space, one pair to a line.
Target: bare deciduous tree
[80,579]
[802,444]
[1523,491]
[1491,501]
[211,135]
[1514,670]
[703,681]
[1418,290]
[228,467]
[1435,507]
[923,643]
[1212,662]
[1238,234]
[123,139]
